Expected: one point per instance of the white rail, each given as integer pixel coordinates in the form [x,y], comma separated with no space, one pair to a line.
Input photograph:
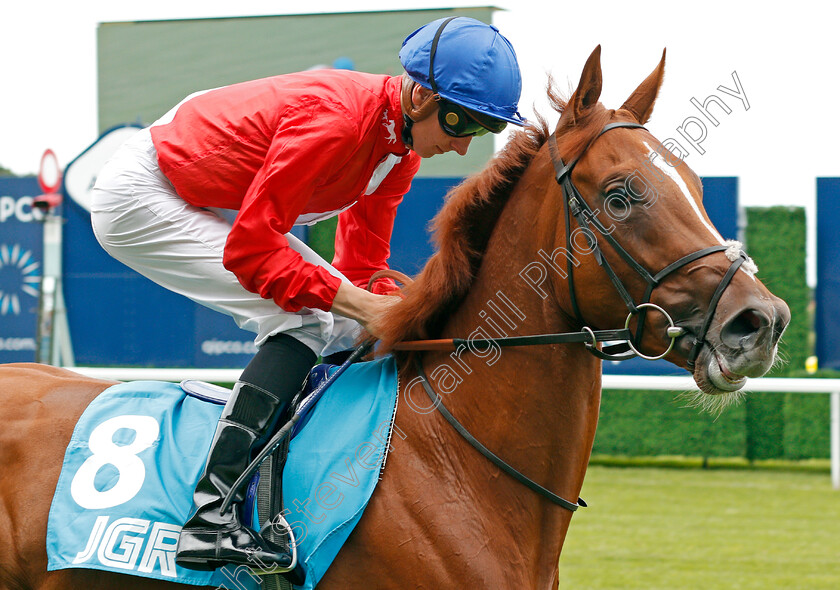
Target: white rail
[620,382]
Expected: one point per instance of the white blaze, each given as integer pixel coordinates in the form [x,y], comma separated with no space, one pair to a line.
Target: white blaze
[678,180]
[672,173]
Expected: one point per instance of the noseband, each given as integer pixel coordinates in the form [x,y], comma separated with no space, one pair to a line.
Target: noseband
[575,206]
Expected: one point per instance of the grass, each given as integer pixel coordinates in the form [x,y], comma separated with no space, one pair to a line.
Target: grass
[668,529]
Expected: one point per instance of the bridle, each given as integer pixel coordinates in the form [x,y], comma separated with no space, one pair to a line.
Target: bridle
[575,206]
[628,343]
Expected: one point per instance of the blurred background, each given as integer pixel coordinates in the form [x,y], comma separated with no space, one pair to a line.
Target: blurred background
[748,97]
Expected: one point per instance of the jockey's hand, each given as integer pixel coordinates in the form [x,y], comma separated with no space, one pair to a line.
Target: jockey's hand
[363,306]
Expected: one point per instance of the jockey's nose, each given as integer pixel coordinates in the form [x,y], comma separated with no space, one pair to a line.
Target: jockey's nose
[461,144]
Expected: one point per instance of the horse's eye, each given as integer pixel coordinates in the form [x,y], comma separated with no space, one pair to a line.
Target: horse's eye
[617,203]
[617,193]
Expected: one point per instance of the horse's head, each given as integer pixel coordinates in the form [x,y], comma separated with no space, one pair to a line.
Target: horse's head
[640,210]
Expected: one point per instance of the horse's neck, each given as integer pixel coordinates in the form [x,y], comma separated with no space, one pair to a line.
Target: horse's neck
[535,406]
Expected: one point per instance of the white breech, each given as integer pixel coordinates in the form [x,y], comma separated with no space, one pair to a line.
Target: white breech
[139,219]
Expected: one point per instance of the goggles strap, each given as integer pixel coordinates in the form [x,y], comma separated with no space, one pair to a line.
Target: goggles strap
[421,111]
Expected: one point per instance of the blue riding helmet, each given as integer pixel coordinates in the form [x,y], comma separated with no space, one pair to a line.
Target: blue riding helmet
[466,62]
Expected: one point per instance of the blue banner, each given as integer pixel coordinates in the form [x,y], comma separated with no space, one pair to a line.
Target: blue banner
[118,317]
[827,295]
[21,266]
[411,242]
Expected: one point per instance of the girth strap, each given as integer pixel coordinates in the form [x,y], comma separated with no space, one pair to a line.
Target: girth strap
[438,404]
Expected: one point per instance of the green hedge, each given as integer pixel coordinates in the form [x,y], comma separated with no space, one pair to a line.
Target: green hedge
[806,420]
[775,238]
[765,426]
[656,423]
[792,426]
[637,423]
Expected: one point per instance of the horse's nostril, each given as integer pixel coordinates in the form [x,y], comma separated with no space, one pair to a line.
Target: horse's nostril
[752,319]
[779,326]
[748,324]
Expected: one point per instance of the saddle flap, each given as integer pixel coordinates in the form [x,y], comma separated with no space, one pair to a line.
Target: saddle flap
[207,392]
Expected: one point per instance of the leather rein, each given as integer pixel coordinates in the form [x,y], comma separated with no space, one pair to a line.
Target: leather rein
[575,206]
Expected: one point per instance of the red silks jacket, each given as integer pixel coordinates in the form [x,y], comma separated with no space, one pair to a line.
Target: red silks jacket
[289,150]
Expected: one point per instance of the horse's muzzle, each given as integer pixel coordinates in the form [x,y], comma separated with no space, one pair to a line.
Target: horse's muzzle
[745,345]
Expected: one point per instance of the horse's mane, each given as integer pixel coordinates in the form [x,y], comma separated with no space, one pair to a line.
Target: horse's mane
[461,231]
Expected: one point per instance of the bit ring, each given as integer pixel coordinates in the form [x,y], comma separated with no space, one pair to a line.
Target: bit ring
[672,331]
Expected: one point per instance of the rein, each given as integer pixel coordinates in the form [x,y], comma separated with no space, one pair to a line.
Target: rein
[437,402]
[530,483]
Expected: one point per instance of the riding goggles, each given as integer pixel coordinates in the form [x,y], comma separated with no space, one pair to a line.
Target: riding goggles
[457,121]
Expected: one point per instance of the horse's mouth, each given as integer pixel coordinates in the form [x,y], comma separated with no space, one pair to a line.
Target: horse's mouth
[721,376]
[719,386]
[714,376]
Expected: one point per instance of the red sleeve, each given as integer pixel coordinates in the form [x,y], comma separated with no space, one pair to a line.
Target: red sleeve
[309,145]
[363,236]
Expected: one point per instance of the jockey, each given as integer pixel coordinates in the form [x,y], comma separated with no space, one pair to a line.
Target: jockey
[282,151]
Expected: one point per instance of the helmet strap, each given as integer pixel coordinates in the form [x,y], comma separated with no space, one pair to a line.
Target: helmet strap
[406,131]
[412,113]
[421,111]
[433,51]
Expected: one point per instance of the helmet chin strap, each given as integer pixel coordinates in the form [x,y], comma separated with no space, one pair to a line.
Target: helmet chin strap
[411,113]
[407,139]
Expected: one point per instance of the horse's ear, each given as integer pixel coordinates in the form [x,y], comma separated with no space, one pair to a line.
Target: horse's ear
[589,88]
[641,101]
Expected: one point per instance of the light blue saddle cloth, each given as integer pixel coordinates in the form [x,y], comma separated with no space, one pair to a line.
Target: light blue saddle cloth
[139,448]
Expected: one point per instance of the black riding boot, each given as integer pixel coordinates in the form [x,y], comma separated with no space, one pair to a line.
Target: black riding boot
[210,539]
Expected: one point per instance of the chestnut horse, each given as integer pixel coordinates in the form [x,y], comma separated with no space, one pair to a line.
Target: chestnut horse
[443,516]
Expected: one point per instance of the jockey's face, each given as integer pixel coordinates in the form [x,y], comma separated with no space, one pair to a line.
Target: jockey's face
[429,137]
